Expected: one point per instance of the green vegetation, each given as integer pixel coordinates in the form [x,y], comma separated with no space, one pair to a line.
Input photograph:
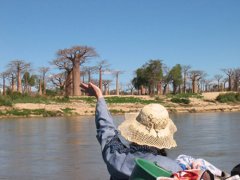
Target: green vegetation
[187,95]
[228,97]
[67,111]
[117,99]
[5,101]
[17,97]
[28,112]
[180,100]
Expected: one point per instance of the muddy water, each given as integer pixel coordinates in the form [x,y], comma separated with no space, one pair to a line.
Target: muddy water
[66,148]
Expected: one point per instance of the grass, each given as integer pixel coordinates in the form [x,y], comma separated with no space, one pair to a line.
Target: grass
[180,100]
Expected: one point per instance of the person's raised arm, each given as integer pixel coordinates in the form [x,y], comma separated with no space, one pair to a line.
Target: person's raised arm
[106,129]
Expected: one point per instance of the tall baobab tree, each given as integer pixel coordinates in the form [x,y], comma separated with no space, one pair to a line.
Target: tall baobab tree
[218,77]
[185,69]
[102,66]
[44,71]
[77,55]
[19,66]
[116,74]
[229,72]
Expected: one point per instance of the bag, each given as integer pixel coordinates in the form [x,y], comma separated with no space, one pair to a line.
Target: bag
[193,174]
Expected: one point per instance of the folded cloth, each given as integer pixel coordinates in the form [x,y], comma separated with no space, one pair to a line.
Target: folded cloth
[188,162]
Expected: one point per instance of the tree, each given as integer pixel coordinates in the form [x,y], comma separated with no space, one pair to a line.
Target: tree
[106,84]
[64,64]
[166,79]
[140,80]
[154,74]
[195,76]
[19,66]
[4,75]
[218,77]
[176,77]
[77,55]
[185,69]
[116,74]
[236,79]
[90,70]
[59,81]
[229,72]
[102,66]
[43,71]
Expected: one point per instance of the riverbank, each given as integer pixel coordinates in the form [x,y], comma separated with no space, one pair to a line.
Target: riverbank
[117,105]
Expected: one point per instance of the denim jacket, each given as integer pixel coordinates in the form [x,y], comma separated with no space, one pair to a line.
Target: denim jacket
[121,164]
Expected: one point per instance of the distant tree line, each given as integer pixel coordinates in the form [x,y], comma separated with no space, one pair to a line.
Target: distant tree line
[152,78]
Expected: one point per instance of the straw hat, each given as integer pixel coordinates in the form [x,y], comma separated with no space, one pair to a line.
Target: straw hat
[151,126]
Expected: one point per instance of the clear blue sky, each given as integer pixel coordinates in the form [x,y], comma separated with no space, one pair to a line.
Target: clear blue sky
[204,34]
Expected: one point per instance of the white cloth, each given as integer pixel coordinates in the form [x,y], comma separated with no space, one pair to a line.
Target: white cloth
[187,161]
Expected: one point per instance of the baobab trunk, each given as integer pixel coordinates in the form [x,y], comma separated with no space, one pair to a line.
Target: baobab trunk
[4,86]
[100,79]
[40,87]
[19,82]
[68,84]
[117,86]
[76,79]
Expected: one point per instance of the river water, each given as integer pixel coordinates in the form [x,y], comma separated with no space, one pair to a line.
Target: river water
[66,148]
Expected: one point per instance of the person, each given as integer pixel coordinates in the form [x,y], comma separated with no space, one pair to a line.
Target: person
[142,135]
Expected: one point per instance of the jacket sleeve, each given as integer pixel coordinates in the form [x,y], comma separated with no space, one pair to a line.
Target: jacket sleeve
[104,123]
[106,131]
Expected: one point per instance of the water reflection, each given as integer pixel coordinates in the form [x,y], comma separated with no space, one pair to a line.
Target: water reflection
[66,148]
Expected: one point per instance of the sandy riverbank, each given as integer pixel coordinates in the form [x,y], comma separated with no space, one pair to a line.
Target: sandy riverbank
[206,104]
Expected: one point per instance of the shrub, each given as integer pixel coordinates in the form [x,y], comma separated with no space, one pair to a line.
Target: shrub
[5,101]
[228,97]
[180,100]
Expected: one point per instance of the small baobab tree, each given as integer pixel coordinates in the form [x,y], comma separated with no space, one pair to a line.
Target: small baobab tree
[218,78]
[229,72]
[195,76]
[102,67]
[43,71]
[185,70]
[19,66]
[116,74]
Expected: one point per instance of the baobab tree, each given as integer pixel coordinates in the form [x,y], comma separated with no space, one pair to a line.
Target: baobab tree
[116,74]
[77,55]
[195,76]
[185,69]
[106,83]
[67,67]
[58,80]
[102,67]
[19,66]
[229,72]
[4,75]
[43,71]
[89,71]
[218,77]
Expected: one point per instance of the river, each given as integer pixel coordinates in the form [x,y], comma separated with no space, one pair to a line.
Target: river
[65,148]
